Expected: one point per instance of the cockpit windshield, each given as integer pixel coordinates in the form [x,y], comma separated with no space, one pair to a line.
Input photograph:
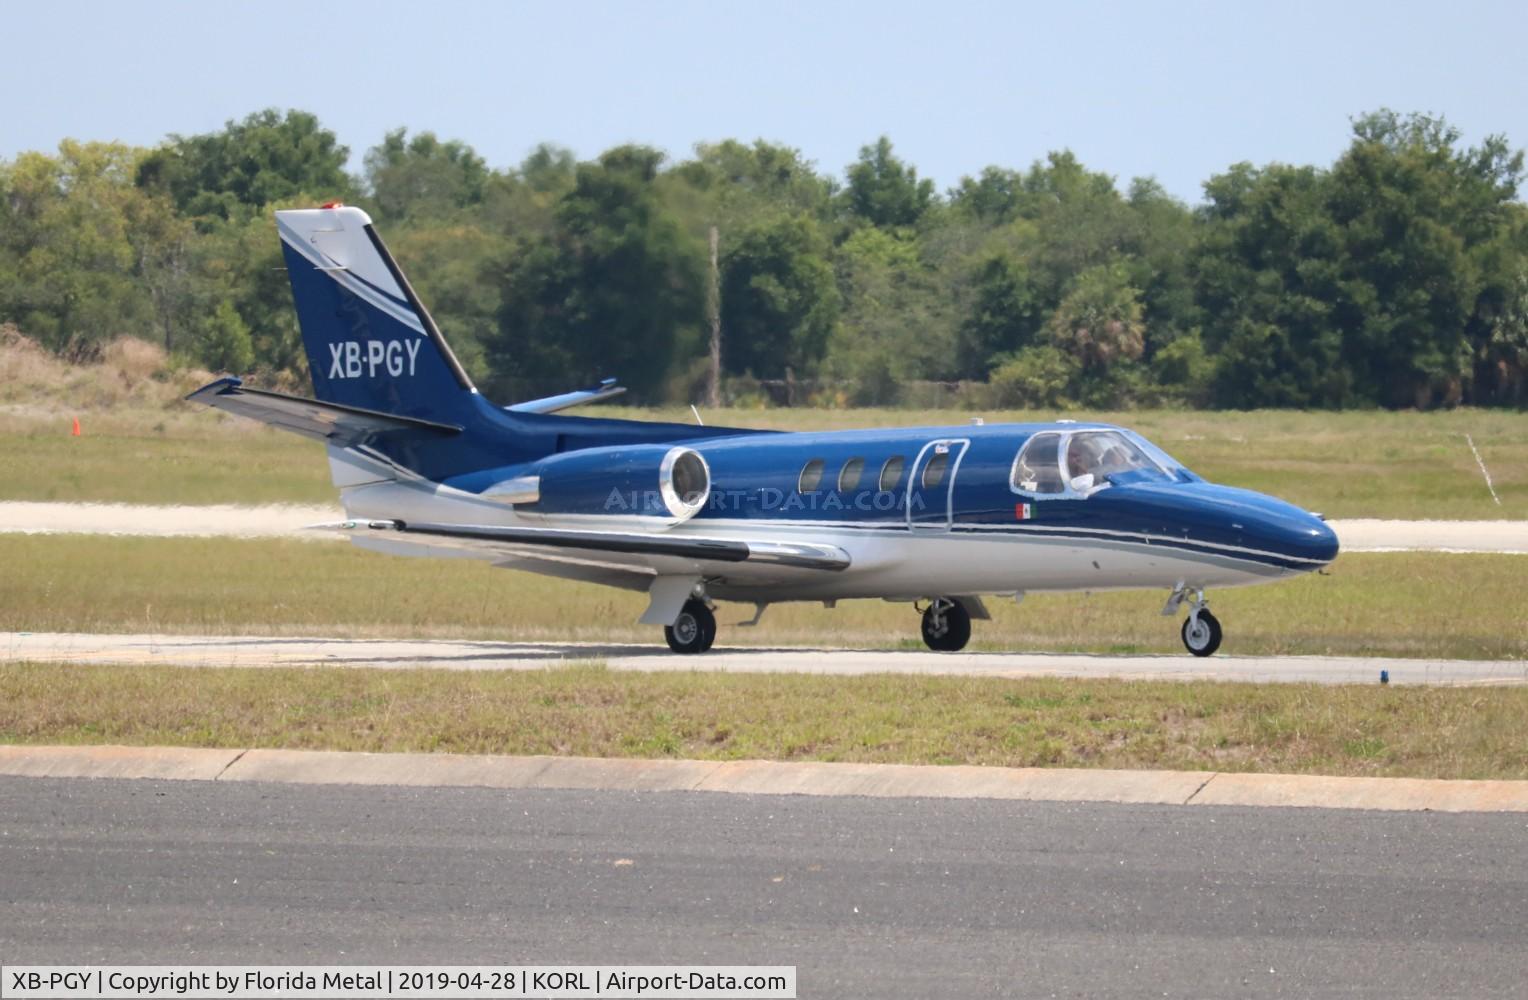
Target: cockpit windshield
[1101,454]
[1052,462]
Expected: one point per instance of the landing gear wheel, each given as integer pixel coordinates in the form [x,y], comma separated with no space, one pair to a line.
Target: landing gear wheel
[946,626]
[693,631]
[1201,633]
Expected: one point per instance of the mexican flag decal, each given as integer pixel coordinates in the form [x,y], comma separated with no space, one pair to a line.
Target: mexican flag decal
[1024,511]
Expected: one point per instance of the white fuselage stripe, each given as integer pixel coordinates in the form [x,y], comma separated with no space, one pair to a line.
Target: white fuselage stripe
[359,288]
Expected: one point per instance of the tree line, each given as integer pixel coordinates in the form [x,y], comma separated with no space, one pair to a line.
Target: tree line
[1397,276]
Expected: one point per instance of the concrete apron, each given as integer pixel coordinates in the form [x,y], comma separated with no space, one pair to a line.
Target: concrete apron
[759,777]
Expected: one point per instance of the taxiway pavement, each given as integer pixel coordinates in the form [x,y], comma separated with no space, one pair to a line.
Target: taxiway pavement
[267,651]
[867,897]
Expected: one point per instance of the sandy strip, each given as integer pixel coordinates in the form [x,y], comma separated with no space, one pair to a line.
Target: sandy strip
[445,654]
[280,520]
[211,521]
[1374,535]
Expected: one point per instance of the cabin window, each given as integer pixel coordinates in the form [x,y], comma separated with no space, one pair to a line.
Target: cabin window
[811,476]
[933,469]
[891,472]
[1038,467]
[849,475]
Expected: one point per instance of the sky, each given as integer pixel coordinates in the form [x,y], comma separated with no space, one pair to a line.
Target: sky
[1175,90]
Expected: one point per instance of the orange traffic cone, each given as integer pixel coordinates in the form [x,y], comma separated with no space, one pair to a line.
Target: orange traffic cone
[76,431]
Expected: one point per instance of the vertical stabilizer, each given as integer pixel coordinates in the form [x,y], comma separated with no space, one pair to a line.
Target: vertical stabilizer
[370,342]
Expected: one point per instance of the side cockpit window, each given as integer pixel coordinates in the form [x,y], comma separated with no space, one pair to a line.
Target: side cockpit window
[1038,468]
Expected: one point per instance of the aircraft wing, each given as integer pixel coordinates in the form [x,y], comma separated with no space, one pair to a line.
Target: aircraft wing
[797,555]
[312,418]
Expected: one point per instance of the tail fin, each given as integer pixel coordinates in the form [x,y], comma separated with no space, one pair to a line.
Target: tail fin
[370,342]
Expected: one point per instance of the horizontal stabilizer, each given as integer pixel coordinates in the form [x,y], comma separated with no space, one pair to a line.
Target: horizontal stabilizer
[312,418]
[581,397]
[801,555]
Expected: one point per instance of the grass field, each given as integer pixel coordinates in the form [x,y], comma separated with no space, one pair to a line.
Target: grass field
[1369,730]
[1364,464]
[1397,604]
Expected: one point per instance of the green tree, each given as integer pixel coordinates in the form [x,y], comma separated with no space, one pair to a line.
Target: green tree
[1037,377]
[241,262]
[68,235]
[996,197]
[1268,269]
[1003,318]
[615,289]
[1098,323]
[1416,213]
[265,158]
[1384,280]
[747,181]
[225,344]
[422,177]
[167,253]
[779,302]
[1157,250]
[883,190]
[895,325]
[449,266]
[1499,328]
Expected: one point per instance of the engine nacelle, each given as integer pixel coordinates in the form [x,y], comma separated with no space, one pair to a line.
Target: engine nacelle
[666,483]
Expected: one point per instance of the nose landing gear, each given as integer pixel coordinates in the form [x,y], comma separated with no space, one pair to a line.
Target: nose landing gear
[1201,630]
[946,625]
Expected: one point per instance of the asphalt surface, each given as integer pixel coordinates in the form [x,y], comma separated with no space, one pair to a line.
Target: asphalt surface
[867,897]
[260,651]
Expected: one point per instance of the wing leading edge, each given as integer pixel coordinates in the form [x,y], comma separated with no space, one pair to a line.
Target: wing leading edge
[798,555]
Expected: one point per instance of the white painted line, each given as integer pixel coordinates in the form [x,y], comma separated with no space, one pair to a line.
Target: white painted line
[1481,462]
[762,777]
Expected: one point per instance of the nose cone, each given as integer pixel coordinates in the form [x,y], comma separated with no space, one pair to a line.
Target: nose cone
[1308,538]
[1253,525]
[1268,524]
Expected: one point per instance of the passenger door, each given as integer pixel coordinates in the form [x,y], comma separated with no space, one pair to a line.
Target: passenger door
[931,484]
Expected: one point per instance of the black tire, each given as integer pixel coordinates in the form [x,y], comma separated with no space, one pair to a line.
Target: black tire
[954,634]
[693,631]
[1204,640]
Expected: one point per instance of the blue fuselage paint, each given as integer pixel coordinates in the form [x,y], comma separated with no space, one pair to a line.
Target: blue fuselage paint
[756,480]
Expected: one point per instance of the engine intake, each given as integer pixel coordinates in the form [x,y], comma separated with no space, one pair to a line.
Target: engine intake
[667,484]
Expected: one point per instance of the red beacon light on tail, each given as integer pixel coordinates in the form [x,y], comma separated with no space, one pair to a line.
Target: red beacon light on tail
[332,204]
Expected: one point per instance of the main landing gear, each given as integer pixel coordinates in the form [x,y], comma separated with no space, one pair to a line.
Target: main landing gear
[1201,630]
[946,625]
[693,631]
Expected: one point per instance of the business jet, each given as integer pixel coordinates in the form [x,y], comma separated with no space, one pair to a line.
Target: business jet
[690,515]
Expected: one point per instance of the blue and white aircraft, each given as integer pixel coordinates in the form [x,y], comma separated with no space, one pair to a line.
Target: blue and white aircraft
[691,515]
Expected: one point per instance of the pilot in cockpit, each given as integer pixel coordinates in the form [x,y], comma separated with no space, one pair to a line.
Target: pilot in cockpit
[1082,464]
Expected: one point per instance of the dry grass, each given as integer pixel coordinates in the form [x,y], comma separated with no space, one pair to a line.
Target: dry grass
[586,710]
[1401,604]
[126,373]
